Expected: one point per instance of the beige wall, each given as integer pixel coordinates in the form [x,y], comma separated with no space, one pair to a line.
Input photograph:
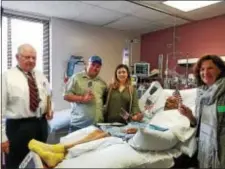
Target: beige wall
[69,37]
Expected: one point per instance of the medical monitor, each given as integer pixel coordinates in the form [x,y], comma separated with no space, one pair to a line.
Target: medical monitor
[142,69]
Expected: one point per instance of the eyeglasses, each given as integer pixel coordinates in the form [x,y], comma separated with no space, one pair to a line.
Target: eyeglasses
[28,57]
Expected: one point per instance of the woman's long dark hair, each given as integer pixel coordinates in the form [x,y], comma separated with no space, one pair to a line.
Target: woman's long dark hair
[216,60]
[115,83]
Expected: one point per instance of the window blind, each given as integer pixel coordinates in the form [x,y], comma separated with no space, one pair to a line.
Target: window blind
[45,49]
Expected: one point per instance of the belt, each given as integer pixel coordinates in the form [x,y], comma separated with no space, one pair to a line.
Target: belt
[28,118]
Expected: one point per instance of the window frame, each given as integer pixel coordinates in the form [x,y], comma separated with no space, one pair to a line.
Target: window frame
[46,38]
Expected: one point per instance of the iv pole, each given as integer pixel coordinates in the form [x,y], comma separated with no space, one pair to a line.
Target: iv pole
[186,72]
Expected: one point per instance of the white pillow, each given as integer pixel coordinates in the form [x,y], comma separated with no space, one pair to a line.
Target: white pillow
[77,135]
[153,140]
[60,120]
[114,156]
[188,96]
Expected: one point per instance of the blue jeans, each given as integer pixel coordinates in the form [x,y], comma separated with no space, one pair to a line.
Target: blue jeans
[73,128]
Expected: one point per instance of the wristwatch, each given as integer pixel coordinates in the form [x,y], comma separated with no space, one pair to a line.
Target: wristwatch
[193,123]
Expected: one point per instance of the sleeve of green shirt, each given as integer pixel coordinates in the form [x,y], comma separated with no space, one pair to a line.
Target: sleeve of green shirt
[70,86]
[135,106]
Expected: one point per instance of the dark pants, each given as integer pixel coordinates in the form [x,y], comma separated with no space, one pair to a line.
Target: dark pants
[19,133]
[184,161]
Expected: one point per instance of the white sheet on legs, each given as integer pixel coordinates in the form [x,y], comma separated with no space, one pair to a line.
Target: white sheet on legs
[112,152]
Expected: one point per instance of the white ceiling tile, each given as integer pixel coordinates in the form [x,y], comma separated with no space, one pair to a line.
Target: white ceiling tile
[62,9]
[126,15]
[149,2]
[92,2]
[119,6]
[150,14]
[97,16]
[129,23]
[171,21]
[150,28]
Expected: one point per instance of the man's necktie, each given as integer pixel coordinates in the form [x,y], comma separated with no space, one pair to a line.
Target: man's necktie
[33,91]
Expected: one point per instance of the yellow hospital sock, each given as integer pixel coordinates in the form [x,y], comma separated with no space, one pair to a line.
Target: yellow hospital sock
[55,148]
[50,158]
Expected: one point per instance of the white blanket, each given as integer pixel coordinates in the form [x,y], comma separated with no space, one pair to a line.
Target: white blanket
[112,152]
[180,126]
[92,146]
[177,123]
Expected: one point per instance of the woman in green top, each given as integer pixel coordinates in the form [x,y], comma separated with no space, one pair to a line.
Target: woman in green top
[122,95]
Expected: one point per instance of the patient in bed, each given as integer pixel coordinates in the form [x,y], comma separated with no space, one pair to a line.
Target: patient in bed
[53,154]
[172,102]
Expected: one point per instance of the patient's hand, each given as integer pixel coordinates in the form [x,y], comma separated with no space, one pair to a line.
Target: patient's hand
[186,111]
[5,147]
[171,103]
[130,130]
[49,115]
[137,116]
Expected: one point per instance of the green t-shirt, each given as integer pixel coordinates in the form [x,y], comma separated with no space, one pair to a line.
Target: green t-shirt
[89,113]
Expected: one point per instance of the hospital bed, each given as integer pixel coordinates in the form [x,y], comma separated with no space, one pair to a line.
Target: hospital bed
[59,125]
[117,152]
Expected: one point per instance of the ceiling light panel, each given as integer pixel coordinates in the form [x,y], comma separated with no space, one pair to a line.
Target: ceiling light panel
[187,6]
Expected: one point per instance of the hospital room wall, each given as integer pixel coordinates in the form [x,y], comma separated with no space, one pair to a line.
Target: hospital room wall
[197,38]
[74,38]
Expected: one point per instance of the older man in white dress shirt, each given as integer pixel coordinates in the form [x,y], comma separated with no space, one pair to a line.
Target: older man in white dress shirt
[24,106]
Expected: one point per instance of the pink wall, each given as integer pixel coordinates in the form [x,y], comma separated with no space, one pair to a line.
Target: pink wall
[196,39]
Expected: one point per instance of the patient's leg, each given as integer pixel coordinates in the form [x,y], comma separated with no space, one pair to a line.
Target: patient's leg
[61,148]
[95,135]
[53,154]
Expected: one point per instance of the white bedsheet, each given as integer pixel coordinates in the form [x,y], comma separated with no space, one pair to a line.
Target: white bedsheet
[112,152]
[121,156]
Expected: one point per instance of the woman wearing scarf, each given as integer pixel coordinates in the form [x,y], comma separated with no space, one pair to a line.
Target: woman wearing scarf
[210,111]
